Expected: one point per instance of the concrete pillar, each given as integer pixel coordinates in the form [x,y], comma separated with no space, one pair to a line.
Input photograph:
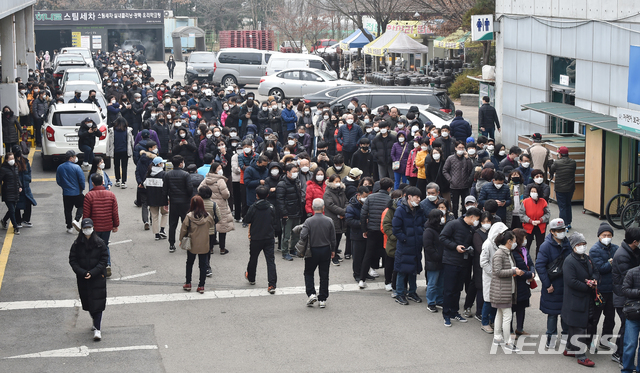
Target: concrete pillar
[30,37]
[21,46]
[8,87]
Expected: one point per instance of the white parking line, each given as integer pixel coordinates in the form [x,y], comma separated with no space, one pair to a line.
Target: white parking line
[134,276]
[119,242]
[81,351]
[184,296]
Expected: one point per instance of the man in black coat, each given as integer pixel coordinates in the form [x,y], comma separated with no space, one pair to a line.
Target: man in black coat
[363,159]
[261,237]
[488,119]
[460,128]
[87,139]
[381,150]
[177,185]
[290,206]
[625,258]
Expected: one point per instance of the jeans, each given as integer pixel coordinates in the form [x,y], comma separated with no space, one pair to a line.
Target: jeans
[265,246]
[454,279]
[400,177]
[458,195]
[88,153]
[69,203]
[631,332]
[104,236]
[202,264]
[385,171]
[158,213]
[358,248]
[176,211]
[289,239]
[11,213]
[372,252]
[435,287]
[488,313]
[121,159]
[564,205]
[400,281]
[321,259]
[489,133]
[552,326]
[502,325]
[620,339]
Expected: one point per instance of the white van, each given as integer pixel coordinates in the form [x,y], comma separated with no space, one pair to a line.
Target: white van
[283,61]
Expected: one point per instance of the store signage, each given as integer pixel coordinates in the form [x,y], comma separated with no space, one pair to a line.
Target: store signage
[629,119]
[57,17]
[482,27]
[633,87]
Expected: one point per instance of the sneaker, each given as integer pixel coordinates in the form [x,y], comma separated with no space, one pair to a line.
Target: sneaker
[460,318]
[186,287]
[439,305]
[146,226]
[172,249]
[71,231]
[312,299]
[586,362]
[246,276]
[76,225]
[117,184]
[238,220]
[568,354]
[85,164]
[394,294]
[224,251]
[209,273]
[27,224]
[447,322]
[200,289]
[339,257]
[401,299]
[19,226]
[123,186]
[510,347]
[272,290]
[163,235]
[108,271]
[487,329]
[498,341]
[478,317]
[323,303]
[467,313]
[362,284]
[244,225]
[414,297]
[158,236]
[97,335]
[563,340]
[285,257]
[347,256]
[521,332]
[293,253]
[616,357]
[335,261]
[16,231]
[373,273]
[4,224]
[388,287]
[432,308]
[369,277]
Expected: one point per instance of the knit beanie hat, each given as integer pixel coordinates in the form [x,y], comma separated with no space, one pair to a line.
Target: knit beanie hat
[604,227]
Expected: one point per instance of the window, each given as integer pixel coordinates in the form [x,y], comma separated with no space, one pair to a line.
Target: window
[384,99]
[309,76]
[563,71]
[70,119]
[316,65]
[253,58]
[424,100]
[202,58]
[292,75]
[267,56]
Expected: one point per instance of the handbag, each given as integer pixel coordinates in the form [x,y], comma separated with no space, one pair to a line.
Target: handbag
[185,243]
[533,283]
[554,269]
[631,310]
[396,165]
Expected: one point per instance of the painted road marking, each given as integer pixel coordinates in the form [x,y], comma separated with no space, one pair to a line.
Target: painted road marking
[134,276]
[119,242]
[46,179]
[81,351]
[183,296]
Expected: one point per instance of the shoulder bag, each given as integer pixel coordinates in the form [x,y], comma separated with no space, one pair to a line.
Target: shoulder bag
[631,310]
[554,269]
[396,165]
[185,244]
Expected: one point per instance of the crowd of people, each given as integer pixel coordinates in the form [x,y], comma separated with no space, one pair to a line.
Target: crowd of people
[302,179]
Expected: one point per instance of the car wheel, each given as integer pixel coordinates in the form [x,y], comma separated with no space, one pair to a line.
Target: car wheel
[277,94]
[47,163]
[229,80]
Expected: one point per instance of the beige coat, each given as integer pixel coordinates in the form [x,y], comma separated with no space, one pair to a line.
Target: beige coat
[503,284]
[198,230]
[208,206]
[220,195]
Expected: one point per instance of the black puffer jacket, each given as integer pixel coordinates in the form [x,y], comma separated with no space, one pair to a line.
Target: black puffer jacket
[350,187]
[352,217]
[10,183]
[381,149]
[456,232]
[11,129]
[177,185]
[196,179]
[164,136]
[433,248]
[289,197]
[188,150]
[86,137]
[623,260]
[90,255]
[374,206]
[577,302]
[631,284]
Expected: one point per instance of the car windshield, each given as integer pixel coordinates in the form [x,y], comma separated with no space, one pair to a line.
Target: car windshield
[70,119]
[201,58]
[76,58]
[72,87]
[85,95]
[83,52]
[325,76]
[88,75]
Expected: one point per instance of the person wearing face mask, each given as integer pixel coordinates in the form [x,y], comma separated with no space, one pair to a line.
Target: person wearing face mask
[120,148]
[525,282]
[381,147]
[305,140]
[422,158]
[289,117]
[537,177]
[146,157]
[534,215]
[263,117]
[460,128]
[88,260]
[137,108]
[11,189]
[101,206]
[316,187]
[433,252]
[496,190]
[549,261]
[185,146]
[113,109]
[157,199]
[479,237]
[87,135]
[306,121]
[290,202]
[348,136]
[352,218]
[70,178]
[448,142]
[432,198]
[411,170]
[335,201]
[399,157]
[339,168]
[217,183]
[472,151]
[516,192]
[305,173]
[499,154]
[233,115]
[11,128]
[578,307]
[458,170]
[97,167]
[564,171]
[525,168]
[511,159]
[504,289]
[171,65]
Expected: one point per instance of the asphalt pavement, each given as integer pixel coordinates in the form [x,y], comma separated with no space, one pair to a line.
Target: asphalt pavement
[152,325]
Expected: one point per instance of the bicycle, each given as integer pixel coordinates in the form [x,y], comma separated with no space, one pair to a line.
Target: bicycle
[617,203]
[630,216]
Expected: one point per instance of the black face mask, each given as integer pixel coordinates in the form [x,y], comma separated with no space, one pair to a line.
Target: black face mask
[92,97]
[364,148]
[516,180]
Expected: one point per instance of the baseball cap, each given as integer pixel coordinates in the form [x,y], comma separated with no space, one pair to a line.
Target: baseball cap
[556,224]
[158,160]
[355,172]
[536,136]
[563,150]
[145,134]
[291,135]
[86,222]
[470,199]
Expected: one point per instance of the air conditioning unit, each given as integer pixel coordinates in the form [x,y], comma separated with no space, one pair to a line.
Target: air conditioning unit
[168,14]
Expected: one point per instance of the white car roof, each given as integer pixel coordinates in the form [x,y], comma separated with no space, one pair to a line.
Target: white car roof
[80,82]
[81,70]
[297,56]
[243,50]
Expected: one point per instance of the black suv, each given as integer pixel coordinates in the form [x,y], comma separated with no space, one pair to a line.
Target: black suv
[199,66]
[378,96]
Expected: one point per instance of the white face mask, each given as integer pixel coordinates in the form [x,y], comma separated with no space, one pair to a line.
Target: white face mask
[445,134]
[383,130]
[270,148]
[434,134]
[366,120]
[286,152]
[156,169]
[363,199]
[291,142]
[581,249]
[459,153]
[490,148]
[561,235]
[432,198]
[377,129]
[525,164]
[209,135]
[338,168]
[294,175]
[502,153]
[113,102]
[400,126]
[606,241]
[304,169]
[368,130]
[11,162]
[524,243]
[168,116]
[476,222]
[101,166]
[138,99]
[471,151]
[534,195]
[233,133]
[401,139]
[183,135]
[498,186]
[246,150]
[87,231]
[414,203]
[443,220]
[435,156]
[538,180]
[319,177]
[220,172]
[275,172]
[486,226]
[274,107]
[150,98]
[424,148]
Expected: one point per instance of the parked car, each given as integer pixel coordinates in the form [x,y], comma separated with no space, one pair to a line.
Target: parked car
[60,133]
[129,44]
[328,94]
[82,85]
[84,52]
[377,96]
[293,46]
[322,43]
[297,83]
[281,62]
[436,116]
[102,101]
[83,73]
[199,66]
[240,66]
[64,62]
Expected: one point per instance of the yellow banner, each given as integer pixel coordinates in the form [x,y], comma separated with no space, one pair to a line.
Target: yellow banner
[76,39]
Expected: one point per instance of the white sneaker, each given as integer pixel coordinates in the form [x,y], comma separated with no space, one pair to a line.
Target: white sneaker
[312,299]
[85,164]
[373,273]
[323,303]
[117,184]
[362,284]
[97,335]
[76,225]
[563,340]
[71,231]
[388,287]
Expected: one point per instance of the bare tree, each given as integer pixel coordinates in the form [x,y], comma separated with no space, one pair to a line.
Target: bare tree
[299,21]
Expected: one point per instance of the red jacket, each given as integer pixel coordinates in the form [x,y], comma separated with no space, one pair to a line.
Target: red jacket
[101,206]
[313,191]
[535,211]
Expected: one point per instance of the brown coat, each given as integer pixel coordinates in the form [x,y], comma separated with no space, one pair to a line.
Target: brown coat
[220,195]
[199,232]
[208,206]
[503,284]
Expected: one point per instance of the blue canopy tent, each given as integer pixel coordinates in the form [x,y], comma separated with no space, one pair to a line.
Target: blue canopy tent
[356,40]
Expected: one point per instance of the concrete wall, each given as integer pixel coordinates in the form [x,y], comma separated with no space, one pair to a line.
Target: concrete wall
[524,48]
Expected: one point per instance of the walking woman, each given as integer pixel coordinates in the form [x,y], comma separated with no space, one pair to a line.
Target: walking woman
[26,200]
[88,259]
[97,167]
[157,199]
[197,224]
[503,289]
[399,156]
[171,64]
[316,187]
[11,189]
[120,149]
[217,182]
[11,128]
[335,207]
[525,282]
[212,209]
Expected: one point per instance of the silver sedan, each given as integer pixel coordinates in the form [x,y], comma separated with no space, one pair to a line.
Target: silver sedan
[297,83]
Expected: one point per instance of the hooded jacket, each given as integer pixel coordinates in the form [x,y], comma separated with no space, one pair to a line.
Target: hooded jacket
[156,195]
[433,247]
[10,183]
[11,129]
[408,229]
[352,218]
[313,191]
[252,176]
[198,230]
[335,205]
[551,303]
[263,214]
[489,249]
[188,150]
[220,195]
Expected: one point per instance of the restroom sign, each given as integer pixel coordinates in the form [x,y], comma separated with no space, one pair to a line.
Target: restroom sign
[482,27]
